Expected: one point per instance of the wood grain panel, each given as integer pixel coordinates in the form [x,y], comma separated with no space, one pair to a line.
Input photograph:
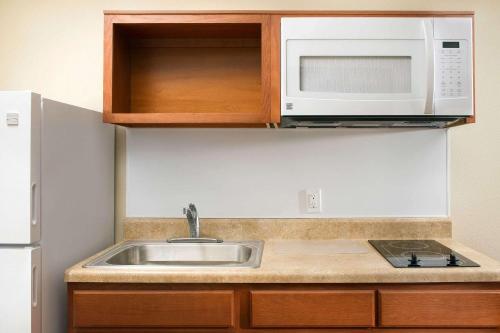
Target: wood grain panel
[188,18]
[313,308]
[265,110]
[275,69]
[435,330]
[196,42]
[191,29]
[439,308]
[179,118]
[156,308]
[107,68]
[229,330]
[196,80]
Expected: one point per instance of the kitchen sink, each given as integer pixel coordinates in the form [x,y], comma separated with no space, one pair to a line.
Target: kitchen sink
[163,255]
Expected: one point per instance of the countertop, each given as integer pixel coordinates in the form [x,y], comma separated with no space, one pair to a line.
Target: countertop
[304,261]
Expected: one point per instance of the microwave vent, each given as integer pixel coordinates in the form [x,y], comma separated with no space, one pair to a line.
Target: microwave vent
[370,121]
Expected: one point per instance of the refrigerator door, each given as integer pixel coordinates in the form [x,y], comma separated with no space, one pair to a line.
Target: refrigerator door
[20,114]
[20,281]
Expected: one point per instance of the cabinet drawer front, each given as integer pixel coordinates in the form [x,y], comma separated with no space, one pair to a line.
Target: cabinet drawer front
[446,308]
[313,308]
[153,309]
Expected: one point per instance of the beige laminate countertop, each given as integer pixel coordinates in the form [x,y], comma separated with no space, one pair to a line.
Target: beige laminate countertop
[303,261]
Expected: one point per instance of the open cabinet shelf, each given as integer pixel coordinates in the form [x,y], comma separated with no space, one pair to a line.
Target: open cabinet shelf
[187,69]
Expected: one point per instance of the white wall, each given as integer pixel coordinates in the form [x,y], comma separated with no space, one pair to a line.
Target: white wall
[54,47]
[263,172]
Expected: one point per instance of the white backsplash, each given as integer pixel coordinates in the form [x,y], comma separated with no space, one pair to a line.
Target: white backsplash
[263,172]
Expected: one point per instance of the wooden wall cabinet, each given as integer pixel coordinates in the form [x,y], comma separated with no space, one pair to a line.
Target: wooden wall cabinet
[286,308]
[162,69]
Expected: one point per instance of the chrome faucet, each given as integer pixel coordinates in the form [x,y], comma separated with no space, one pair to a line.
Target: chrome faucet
[193,220]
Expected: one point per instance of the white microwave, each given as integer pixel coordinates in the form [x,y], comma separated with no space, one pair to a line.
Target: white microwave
[376,70]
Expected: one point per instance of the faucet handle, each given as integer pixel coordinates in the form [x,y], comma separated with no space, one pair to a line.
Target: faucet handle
[190,209]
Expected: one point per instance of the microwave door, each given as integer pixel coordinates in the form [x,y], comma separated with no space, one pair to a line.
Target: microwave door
[360,76]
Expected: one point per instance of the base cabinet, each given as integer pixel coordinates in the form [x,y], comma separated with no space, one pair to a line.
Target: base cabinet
[262,308]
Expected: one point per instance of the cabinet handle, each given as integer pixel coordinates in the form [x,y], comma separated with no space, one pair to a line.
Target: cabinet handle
[34,220]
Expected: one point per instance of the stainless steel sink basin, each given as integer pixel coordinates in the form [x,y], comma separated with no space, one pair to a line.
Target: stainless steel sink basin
[163,255]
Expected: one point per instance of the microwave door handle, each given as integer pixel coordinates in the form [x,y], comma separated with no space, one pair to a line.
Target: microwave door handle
[429,55]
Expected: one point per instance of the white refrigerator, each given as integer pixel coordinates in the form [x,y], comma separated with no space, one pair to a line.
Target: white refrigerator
[56,204]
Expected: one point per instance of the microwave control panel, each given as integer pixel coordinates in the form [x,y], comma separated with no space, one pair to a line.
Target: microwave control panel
[451,68]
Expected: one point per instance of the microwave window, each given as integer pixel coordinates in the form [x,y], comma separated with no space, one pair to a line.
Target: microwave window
[356,74]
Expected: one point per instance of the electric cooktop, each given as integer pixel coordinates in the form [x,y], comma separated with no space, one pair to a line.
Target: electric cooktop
[420,253]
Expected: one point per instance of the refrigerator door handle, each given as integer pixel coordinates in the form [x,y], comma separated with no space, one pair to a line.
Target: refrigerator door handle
[34,220]
[34,286]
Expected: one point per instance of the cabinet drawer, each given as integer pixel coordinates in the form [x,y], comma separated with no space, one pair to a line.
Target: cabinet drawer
[446,308]
[313,308]
[153,308]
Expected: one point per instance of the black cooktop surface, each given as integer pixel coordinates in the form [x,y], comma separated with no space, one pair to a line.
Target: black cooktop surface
[420,253]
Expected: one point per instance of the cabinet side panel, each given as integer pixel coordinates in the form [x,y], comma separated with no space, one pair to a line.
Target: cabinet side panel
[77,197]
[36,165]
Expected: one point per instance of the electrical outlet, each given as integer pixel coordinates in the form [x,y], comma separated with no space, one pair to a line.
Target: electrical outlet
[313,200]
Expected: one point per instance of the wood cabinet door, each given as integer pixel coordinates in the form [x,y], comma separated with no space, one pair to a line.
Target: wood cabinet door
[350,308]
[439,308]
[156,308]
